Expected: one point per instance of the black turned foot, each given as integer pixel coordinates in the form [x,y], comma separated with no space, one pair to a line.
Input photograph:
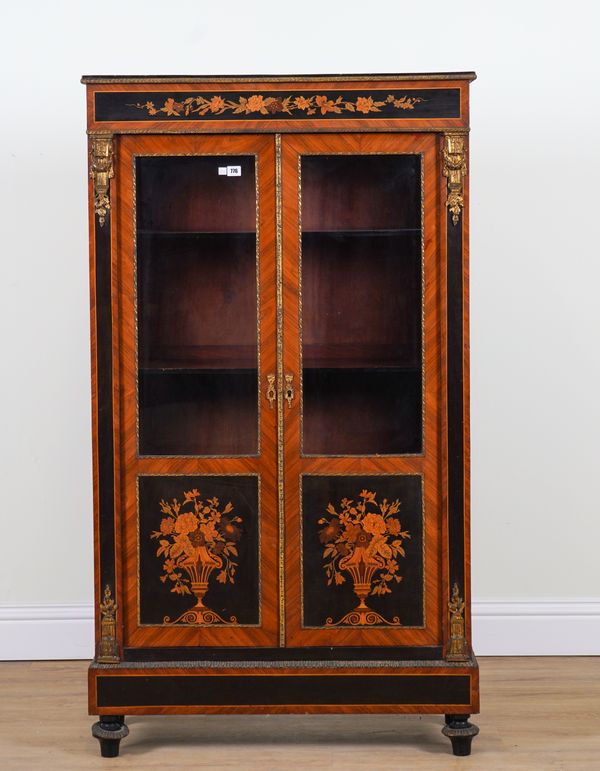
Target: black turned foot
[460,732]
[109,731]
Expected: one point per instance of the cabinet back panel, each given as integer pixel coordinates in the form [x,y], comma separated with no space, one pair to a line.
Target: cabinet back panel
[188,194]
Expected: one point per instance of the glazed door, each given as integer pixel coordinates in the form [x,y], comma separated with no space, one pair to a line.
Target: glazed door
[197,382]
[361,369]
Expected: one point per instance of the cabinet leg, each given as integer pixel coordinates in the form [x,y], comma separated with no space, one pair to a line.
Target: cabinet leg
[109,731]
[460,732]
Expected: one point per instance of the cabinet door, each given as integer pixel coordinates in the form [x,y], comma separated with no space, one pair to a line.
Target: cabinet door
[362,366]
[198,418]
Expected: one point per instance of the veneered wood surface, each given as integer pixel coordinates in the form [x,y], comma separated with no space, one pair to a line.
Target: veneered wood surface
[94,396]
[466,362]
[429,464]
[467,75]
[132,465]
[443,309]
[269,671]
[245,124]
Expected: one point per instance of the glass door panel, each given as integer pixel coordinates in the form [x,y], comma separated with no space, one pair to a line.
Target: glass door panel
[361,294]
[196,260]
[197,315]
[361,433]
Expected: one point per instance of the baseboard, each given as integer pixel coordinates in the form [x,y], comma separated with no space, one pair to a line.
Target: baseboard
[30,632]
[534,627]
[537,627]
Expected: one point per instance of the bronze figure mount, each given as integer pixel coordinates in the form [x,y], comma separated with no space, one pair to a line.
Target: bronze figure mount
[108,647]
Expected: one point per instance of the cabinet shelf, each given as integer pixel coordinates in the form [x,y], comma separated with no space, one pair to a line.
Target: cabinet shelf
[196,233]
[196,358]
[153,370]
[362,232]
[356,233]
[359,356]
[362,368]
[240,358]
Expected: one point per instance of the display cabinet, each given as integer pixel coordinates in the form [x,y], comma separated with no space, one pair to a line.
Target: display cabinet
[280,397]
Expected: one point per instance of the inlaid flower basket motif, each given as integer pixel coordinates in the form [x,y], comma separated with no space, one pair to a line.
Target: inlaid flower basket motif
[197,542]
[363,540]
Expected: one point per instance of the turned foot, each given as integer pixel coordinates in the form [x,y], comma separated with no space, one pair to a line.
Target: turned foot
[460,732]
[109,731]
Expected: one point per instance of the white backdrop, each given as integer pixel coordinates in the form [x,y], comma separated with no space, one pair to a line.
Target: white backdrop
[535,165]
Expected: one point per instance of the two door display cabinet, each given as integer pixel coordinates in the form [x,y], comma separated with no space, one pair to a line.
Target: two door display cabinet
[280,397]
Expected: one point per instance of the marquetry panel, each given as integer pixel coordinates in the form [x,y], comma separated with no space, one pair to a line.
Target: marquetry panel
[199,550]
[362,551]
[268,105]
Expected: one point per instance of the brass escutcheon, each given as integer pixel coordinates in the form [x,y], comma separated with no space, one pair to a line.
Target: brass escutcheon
[271,392]
[289,390]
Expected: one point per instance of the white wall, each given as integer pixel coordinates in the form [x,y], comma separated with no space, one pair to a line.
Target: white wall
[535,164]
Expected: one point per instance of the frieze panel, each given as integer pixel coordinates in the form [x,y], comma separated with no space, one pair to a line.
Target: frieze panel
[180,106]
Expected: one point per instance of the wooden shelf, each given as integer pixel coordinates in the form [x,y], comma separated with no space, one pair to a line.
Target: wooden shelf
[359,356]
[196,233]
[198,370]
[193,358]
[238,358]
[362,233]
[357,233]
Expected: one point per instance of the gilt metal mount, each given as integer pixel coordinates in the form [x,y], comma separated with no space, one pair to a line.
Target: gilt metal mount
[108,647]
[101,172]
[458,648]
[455,170]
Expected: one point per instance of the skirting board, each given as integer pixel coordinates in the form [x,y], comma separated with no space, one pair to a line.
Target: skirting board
[535,627]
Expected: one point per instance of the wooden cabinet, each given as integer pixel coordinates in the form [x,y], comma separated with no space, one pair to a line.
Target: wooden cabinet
[280,389]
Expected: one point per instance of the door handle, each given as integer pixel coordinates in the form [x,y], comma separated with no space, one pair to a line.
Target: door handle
[289,390]
[271,392]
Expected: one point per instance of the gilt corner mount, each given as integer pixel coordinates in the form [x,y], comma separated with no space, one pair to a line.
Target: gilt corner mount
[101,172]
[458,649]
[455,170]
[108,647]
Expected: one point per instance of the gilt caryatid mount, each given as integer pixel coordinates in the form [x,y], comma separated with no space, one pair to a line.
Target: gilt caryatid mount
[458,647]
[363,540]
[107,651]
[101,172]
[455,170]
[197,541]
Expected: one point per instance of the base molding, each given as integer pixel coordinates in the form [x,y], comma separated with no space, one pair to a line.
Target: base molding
[505,627]
[207,687]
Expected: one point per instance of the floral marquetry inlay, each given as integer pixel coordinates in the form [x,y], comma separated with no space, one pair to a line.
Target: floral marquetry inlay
[259,104]
[363,541]
[197,542]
